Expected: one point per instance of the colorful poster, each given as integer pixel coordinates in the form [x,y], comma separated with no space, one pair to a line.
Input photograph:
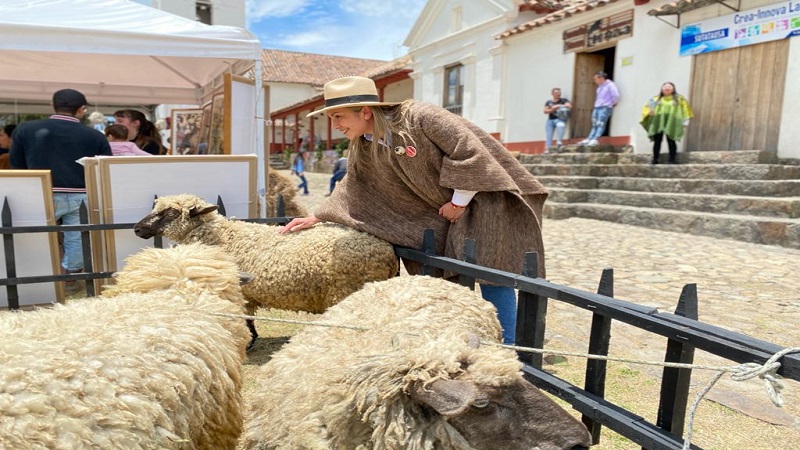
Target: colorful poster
[754,26]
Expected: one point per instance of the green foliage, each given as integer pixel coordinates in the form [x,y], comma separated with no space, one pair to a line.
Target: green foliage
[341,146]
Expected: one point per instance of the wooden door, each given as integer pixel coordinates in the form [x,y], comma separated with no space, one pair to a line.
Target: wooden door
[583,92]
[737,96]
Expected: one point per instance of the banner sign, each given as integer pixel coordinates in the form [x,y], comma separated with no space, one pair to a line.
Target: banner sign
[754,26]
[600,33]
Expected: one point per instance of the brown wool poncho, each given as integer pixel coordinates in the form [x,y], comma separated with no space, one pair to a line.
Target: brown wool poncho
[396,197]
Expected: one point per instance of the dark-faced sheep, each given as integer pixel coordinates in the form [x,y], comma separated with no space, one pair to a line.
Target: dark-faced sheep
[415,378]
[146,367]
[306,271]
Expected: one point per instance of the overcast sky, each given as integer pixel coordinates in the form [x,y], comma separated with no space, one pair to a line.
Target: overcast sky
[372,29]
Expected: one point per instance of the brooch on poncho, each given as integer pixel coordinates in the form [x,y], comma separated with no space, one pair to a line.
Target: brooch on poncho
[409,151]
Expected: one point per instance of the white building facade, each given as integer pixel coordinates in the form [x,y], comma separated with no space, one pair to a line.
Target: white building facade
[510,54]
[210,12]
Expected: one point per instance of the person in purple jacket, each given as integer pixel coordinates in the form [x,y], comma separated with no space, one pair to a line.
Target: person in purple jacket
[606,99]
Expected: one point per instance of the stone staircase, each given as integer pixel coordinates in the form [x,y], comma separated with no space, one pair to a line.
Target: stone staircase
[749,196]
[278,162]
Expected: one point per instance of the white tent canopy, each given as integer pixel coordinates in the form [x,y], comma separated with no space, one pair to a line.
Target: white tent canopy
[114,51]
[119,52]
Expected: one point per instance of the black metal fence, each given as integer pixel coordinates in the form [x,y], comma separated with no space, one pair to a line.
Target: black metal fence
[682,331]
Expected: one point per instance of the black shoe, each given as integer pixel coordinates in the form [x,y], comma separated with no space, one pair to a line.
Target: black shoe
[654,162]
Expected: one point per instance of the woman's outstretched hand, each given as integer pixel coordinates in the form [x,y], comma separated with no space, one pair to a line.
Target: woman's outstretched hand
[299,223]
[452,212]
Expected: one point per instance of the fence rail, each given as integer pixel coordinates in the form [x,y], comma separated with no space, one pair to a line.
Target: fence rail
[682,331]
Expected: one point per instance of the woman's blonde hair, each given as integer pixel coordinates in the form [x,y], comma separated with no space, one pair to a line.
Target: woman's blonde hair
[387,120]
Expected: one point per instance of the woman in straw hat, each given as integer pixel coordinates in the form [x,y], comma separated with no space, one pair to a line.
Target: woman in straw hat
[415,166]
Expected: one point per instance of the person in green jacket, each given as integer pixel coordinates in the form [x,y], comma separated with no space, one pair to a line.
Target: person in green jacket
[668,113]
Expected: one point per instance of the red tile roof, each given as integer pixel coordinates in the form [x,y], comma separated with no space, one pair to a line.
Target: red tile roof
[388,71]
[680,7]
[309,68]
[569,9]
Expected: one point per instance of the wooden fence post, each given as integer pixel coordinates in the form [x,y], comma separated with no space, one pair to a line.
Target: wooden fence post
[86,248]
[531,315]
[470,256]
[675,382]
[429,248]
[599,340]
[221,206]
[158,241]
[8,250]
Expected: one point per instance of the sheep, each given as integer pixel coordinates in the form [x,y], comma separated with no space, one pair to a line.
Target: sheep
[414,378]
[144,366]
[281,184]
[304,271]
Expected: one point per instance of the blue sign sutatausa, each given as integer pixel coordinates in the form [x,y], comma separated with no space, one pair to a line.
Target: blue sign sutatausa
[764,24]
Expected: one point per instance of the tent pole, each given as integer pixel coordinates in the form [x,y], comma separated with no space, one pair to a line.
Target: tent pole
[259,127]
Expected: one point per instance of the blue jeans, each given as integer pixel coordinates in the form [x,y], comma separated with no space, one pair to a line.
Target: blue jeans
[303,183]
[600,116]
[337,176]
[505,300]
[68,210]
[550,127]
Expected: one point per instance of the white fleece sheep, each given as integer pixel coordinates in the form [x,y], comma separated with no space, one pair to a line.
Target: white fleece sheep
[304,271]
[415,379]
[142,367]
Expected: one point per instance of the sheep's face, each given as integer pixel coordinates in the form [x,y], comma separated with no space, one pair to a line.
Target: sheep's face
[516,416]
[171,221]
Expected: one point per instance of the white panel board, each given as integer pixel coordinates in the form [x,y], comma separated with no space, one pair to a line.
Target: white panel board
[129,186]
[30,199]
[243,105]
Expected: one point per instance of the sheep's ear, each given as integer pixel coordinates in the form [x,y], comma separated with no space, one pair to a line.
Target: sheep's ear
[447,397]
[194,212]
[245,278]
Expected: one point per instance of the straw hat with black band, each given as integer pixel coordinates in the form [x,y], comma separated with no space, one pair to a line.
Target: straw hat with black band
[350,92]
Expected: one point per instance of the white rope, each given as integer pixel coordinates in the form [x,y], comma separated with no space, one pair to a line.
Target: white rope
[742,372]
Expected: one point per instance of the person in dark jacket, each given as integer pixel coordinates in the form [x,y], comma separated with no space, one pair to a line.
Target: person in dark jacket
[55,144]
[339,171]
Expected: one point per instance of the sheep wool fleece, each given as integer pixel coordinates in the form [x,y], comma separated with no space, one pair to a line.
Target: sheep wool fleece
[138,370]
[345,388]
[452,153]
[305,271]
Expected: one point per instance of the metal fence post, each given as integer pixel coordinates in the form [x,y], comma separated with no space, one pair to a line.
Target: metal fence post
[599,340]
[8,250]
[531,315]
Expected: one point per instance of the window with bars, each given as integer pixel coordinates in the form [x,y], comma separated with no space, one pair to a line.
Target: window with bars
[454,88]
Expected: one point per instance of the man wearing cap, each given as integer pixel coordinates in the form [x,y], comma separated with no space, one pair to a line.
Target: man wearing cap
[55,144]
